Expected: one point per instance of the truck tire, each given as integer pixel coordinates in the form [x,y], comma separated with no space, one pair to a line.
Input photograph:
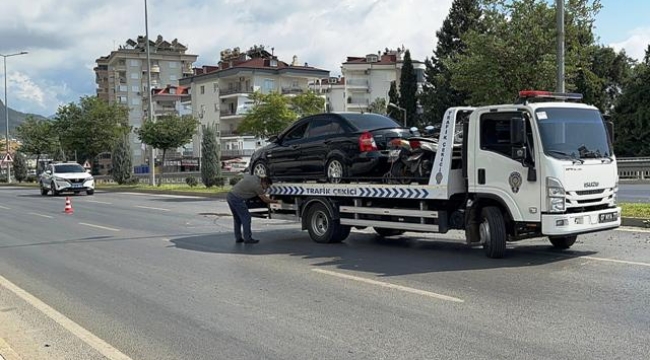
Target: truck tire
[322,228]
[493,232]
[563,242]
[385,232]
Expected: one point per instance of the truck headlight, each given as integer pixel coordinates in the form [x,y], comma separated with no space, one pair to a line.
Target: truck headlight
[556,195]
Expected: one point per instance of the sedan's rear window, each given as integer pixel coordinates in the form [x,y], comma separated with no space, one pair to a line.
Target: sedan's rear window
[366,122]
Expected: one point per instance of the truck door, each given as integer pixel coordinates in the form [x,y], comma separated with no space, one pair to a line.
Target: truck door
[498,175]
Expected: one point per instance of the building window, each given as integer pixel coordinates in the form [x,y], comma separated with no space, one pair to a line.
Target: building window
[135,101]
[122,99]
[135,62]
[123,88]
[135,88]
[202,89]
[216,107]
[172,78]
[269,85]
[215,87]
[135,76]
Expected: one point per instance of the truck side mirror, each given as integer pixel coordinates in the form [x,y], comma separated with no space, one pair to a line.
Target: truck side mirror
[517,131]
[610,130]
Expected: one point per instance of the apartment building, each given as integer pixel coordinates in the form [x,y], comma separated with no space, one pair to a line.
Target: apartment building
[365,79]
[121,77]
[220,94]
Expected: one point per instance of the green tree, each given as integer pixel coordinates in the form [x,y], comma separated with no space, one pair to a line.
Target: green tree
[602,78]
[91,127]
[393,98]
[269,115]
[439,95]
[38,137]
[516,49]
[631,114]
[306,104]
[122,161]
[210,159]
[378,106]
[168,132]
[20,167]
[408,88]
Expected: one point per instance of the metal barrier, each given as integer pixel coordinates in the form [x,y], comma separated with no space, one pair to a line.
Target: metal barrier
[634,169]
[166,178]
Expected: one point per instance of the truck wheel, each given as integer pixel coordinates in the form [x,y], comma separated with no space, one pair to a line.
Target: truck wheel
[385,232]
[322,228]
[492,231]
[563,242]
[343,233]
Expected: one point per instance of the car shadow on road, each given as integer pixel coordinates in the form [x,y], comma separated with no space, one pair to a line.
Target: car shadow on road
[380,256]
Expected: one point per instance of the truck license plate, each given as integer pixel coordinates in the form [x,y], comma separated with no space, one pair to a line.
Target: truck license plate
[608,217]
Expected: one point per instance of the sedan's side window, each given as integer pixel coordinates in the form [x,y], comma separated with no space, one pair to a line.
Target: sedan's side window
[319,127]
[297,133]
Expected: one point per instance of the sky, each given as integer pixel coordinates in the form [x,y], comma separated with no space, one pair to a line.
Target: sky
[65,37]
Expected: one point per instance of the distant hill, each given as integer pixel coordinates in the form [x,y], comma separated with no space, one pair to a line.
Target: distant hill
[15,119]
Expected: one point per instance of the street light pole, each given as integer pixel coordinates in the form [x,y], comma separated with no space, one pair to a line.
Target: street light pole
[7,111]
[152,154]
[400,109]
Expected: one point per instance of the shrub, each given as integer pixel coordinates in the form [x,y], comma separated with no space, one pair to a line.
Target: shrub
[191,181]
[32,179]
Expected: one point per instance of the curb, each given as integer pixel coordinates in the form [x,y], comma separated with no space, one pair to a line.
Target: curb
[221,195]
[635,222]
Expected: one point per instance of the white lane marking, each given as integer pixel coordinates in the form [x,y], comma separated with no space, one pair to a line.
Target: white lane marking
[615,261]
[4,207]
[98,202]
[633,229]
[41,215]
[163,195]
[77,330]
[99,227]
[151,208]
[390,286]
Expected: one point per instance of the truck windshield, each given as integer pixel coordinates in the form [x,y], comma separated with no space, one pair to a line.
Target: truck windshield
[573,133]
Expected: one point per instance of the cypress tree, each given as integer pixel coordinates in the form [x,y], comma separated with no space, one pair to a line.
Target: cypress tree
[210,159]
[122,162]
[408,90]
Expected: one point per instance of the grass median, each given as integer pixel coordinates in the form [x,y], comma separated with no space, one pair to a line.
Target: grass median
[636,210]
[171,188]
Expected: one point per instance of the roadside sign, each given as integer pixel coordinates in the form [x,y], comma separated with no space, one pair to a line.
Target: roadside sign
[86,165]
[7,158]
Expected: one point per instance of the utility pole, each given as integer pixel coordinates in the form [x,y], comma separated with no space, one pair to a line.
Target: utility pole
[560,45]
[152,154]
[7,112]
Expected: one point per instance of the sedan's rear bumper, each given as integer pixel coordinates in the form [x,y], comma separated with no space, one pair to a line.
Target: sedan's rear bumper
[373,163]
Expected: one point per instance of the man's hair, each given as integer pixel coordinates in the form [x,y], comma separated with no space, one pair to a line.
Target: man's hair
[265,180]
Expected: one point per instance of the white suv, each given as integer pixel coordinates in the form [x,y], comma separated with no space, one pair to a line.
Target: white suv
[64,177]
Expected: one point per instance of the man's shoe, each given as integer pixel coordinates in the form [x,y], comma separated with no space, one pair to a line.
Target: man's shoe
[251,241]
[239,241]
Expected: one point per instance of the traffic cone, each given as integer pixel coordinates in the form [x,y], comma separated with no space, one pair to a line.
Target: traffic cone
[68,206]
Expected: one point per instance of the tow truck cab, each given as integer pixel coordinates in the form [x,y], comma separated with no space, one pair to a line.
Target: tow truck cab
[548,160]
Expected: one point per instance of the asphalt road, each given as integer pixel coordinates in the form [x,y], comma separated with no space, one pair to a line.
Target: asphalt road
[634,193]
[155,277]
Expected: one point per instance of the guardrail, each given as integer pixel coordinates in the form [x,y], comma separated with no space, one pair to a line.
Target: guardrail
[166,178]
[634,169]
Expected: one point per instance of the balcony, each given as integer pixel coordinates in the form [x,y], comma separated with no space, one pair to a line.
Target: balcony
[354,102]
[292,90]
[237,153]
[357,83]
[154,69]
[236,90]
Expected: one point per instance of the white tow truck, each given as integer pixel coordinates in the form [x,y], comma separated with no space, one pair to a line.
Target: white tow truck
[542,166]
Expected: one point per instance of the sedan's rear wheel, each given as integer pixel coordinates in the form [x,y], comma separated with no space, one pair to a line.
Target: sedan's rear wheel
[260,169]
[336,171]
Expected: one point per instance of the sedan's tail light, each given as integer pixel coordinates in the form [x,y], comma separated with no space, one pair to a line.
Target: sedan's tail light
[415,144]
[367,142]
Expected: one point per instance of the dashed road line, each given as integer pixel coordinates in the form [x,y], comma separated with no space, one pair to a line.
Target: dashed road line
[151,208]
[390,286]
[98,202]
[99,227]
[41,215]
[77,330]
[4,208]
[636,263]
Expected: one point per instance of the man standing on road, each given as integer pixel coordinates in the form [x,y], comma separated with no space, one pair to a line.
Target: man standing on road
[248,188]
